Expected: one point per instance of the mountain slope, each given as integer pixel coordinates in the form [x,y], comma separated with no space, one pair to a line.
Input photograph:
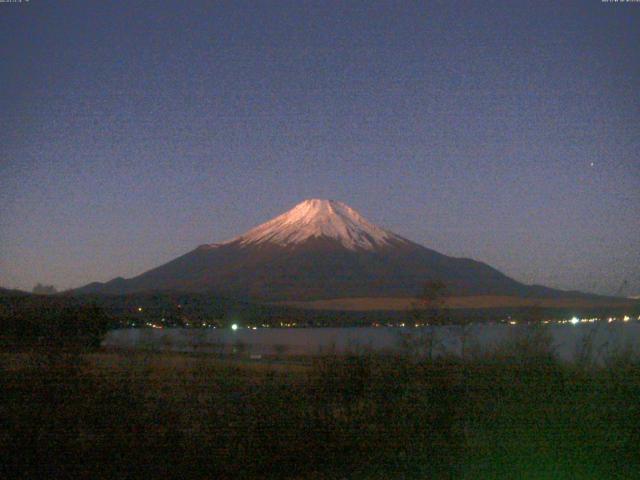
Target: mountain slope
[320,249]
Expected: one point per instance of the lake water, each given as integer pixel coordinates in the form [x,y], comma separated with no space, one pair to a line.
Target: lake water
[566,339]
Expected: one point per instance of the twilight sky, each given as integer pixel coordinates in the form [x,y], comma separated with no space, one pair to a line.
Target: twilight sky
[134,131]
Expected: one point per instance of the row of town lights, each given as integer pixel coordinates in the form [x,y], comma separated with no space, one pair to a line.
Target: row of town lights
[572,321]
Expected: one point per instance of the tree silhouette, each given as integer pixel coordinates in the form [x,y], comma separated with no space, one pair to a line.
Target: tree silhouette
[432,302]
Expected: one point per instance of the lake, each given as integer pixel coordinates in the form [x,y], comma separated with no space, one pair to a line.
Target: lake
[566,339]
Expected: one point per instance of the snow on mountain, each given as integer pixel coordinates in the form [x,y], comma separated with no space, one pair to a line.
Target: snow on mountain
[316,218]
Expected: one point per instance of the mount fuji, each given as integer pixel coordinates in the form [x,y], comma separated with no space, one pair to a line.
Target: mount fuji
[321,250]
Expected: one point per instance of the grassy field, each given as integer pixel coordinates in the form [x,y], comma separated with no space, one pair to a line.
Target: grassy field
[517,413]
[472,301]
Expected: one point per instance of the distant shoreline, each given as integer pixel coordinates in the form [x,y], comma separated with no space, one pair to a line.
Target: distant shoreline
[460,302]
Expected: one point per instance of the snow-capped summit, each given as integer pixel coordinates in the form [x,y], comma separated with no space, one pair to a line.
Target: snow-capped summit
[316,218]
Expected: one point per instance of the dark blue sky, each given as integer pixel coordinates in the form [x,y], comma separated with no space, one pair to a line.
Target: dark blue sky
[134,131]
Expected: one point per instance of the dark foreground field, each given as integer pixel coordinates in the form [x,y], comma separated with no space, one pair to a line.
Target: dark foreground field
[517,414]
